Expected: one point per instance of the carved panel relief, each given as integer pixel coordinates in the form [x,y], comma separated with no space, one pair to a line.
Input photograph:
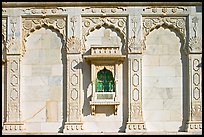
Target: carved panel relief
[135,44]
[196,82]
[195,42]
[135,119]
[73,93]
[13,90]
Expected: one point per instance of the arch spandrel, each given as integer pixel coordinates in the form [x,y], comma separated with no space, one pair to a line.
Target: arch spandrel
[32,24]
[176,24]
[118,24]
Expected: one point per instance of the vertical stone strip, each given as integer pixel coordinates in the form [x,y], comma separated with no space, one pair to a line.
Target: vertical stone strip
[135,49]
[135,114]
[194,124]
[13,121]
[74,86]
[195,121]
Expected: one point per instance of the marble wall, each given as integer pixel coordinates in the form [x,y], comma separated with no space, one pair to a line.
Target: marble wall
[46,81]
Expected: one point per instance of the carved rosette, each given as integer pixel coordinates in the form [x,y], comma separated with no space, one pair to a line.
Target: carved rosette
[73,45]
[91,23]
[135,114]
[32,24]
[178,23]
[195,45]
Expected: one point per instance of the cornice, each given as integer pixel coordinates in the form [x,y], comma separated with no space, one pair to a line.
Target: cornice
[95,4]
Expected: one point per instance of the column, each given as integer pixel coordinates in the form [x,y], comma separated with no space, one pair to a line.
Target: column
[135,113]
[74,89]
[194,123]
[135,49]
[13,121]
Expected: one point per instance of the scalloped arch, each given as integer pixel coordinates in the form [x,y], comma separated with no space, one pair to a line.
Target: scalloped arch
[38,27]
[121,34]
[98,26]
[172,28]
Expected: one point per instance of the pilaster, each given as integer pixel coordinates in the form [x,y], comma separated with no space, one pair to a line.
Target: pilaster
[13,121]
[194,124]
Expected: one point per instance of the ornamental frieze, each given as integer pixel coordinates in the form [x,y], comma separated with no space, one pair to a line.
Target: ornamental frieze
[45,11]
[104,10]
[164,10]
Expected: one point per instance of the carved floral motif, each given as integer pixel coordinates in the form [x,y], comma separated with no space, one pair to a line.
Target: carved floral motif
[73,45]
[196,112]
[135,45]
[195,42]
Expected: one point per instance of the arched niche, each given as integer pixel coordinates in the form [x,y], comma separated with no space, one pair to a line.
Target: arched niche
[165,69]
[43,78]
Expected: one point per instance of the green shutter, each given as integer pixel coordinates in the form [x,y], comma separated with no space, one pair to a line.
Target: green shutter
[105,81]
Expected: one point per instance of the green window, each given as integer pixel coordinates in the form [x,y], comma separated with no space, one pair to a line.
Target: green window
[105,81]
